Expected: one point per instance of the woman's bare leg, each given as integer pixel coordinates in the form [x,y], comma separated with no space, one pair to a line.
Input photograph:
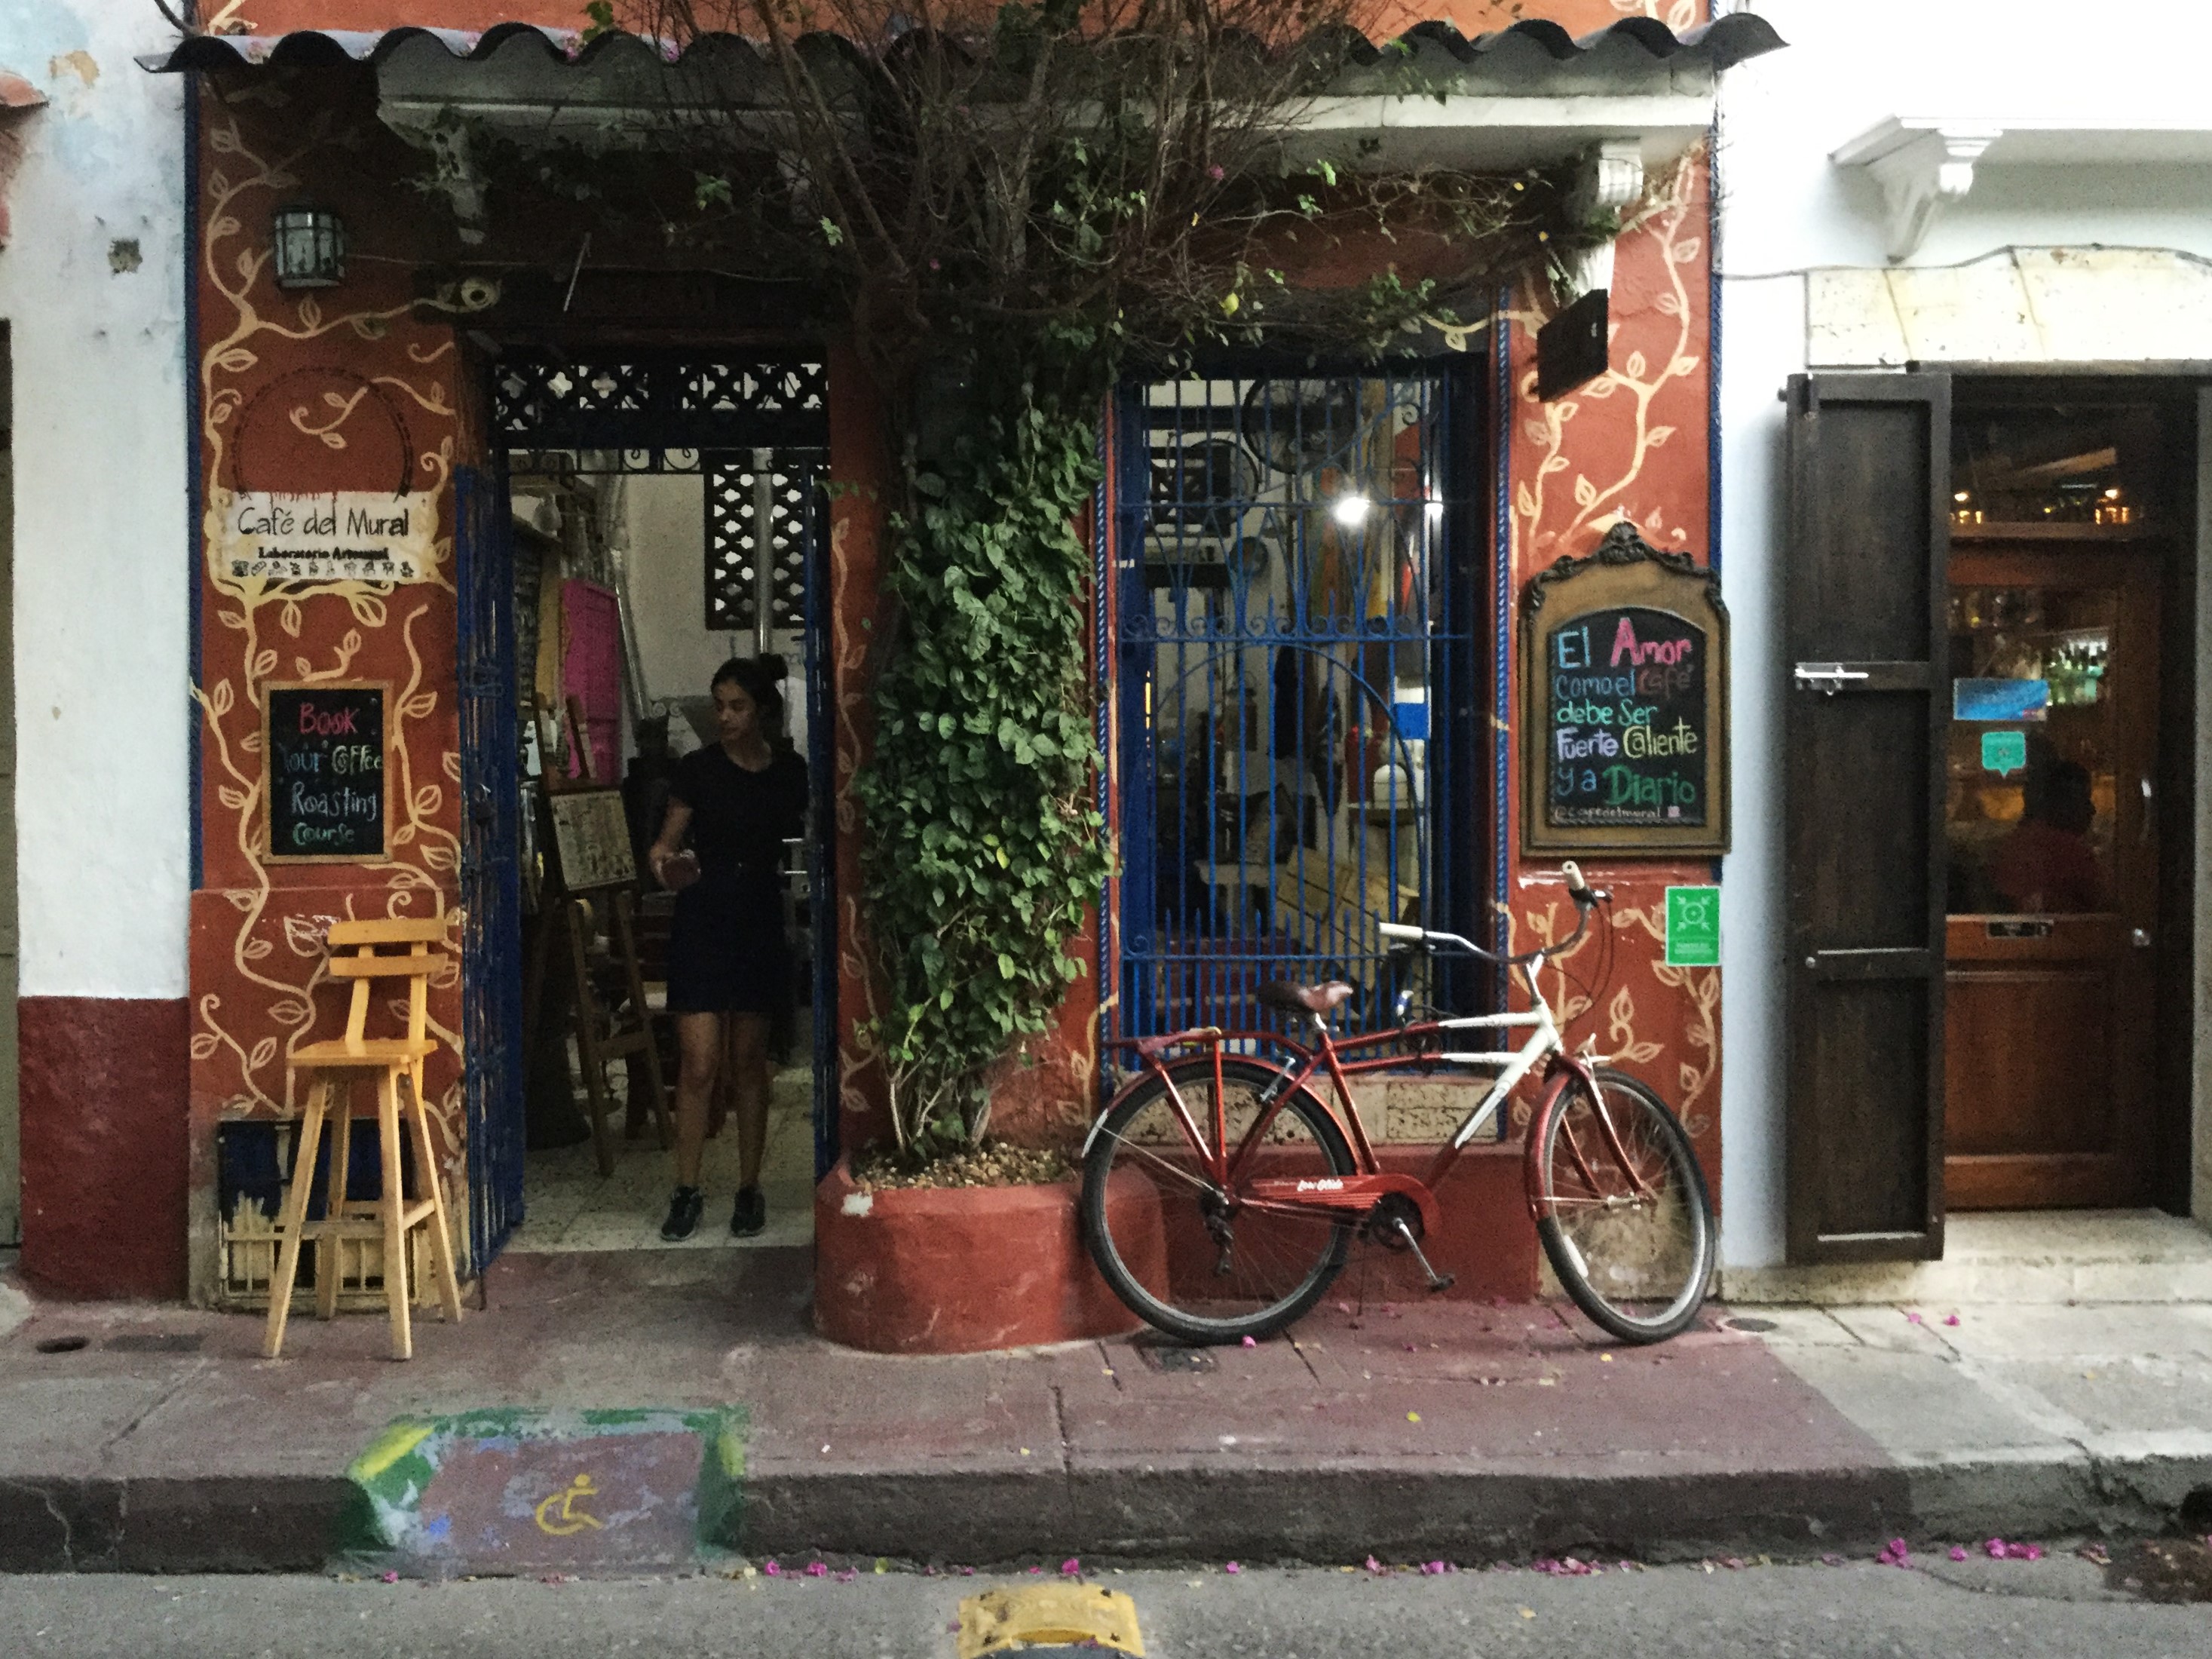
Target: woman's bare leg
[749,1080]
[699,1042]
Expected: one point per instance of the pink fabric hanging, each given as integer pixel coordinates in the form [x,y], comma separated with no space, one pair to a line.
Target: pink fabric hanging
[591,670]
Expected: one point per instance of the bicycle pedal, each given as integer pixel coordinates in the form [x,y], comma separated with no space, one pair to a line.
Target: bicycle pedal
[1442,1282]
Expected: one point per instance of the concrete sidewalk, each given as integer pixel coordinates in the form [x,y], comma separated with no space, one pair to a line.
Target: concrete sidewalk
[156,1439]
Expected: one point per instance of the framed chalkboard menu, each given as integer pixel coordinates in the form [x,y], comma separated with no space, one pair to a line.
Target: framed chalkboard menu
[1624,726]
[323,748]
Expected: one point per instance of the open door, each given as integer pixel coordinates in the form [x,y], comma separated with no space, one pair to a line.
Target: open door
[1866,727]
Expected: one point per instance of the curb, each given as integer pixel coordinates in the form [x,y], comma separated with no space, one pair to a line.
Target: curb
[1138,1515]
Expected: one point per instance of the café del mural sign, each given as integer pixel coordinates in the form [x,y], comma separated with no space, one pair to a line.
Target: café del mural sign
[340,535]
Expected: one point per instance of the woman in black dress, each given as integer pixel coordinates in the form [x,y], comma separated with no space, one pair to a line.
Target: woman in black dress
[740,799]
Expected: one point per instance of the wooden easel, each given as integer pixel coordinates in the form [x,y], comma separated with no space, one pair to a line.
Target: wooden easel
[564,910]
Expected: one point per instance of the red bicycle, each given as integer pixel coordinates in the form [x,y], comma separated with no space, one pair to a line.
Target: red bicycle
[1221,1196]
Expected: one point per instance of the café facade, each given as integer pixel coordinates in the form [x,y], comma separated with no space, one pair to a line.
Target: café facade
[476,506]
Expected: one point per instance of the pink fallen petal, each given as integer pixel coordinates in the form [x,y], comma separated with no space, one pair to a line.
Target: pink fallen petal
[1831,1560]
[1250,1342]
[1231,1567]
[1958,1552]
[1373,1565]
[2030,1552]
[967,1572]
[1950,1319]
[1995,1547]
[391,1577]
[1912,1318]
[849,1575]
[1070,1567]
[817,1570]
[772,1570]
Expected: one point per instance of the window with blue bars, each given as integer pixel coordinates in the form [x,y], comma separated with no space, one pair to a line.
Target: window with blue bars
[1301,575]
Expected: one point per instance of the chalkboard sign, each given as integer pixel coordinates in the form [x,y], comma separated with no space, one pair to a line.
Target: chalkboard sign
[323,746]
[1625,718]
[1625,721]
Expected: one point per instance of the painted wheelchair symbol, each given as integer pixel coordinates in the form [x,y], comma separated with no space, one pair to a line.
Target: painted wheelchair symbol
[571,1520]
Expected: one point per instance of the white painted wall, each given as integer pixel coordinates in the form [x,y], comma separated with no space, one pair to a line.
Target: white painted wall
[664,520]
[1787,209]
[102,545]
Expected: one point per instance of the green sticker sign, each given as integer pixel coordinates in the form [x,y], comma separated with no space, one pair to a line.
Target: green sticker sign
[1693,926]
[2004,752]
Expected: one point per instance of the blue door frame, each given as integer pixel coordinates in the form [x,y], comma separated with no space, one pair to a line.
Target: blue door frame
[491,884]
[652,411]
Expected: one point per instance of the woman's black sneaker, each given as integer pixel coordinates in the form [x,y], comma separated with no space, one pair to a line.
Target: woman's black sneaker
[684,1208]
[751,1214]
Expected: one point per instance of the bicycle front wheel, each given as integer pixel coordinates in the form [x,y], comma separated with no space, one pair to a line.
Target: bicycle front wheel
[1187,1254]
[1621,1207]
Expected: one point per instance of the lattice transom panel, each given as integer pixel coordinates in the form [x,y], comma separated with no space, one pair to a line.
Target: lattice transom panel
[757,510]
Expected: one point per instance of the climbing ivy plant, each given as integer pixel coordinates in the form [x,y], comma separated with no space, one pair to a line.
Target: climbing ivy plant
[984,848]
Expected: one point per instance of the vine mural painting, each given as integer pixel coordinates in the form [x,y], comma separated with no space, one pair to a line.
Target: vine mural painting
[294,399]
[1579,465]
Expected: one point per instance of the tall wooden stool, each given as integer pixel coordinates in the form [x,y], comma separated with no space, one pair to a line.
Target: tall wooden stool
[337,1065]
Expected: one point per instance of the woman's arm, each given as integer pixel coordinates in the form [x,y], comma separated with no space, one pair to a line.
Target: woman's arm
[672,836]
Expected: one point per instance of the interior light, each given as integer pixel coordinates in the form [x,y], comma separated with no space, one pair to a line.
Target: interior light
[1436,511]
[1964,495]
[2113,493]
[1350,510]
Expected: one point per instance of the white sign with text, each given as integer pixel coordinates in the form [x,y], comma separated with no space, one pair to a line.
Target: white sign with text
[343,535]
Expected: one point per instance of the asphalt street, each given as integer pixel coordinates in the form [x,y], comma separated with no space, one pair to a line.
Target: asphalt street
[2059,1606]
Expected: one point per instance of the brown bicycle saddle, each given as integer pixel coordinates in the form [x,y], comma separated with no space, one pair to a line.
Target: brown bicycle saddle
[1306,999]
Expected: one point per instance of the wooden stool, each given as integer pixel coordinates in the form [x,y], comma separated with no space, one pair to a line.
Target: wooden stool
[338,1064]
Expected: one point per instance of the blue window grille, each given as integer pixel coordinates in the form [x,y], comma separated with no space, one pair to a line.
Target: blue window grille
[1299,579]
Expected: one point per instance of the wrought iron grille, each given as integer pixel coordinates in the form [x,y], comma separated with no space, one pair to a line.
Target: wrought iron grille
[658,411]
[1297,632]
[759,509]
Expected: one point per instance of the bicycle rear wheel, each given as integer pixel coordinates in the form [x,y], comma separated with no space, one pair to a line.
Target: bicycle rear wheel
[1184,1255]
[1621,1207]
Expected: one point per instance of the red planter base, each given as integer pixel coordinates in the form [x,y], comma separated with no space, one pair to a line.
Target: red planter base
[958,1269]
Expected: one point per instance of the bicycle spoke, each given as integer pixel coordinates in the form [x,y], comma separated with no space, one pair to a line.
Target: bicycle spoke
[1204,1184]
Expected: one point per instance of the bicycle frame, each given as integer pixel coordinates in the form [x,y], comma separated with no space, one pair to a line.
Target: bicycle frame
[1333,1197]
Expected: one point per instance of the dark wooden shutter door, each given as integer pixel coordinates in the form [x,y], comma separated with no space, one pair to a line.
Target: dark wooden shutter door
[1868,720]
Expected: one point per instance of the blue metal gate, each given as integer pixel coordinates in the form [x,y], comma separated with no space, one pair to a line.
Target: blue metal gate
[491,891]
[1297,604]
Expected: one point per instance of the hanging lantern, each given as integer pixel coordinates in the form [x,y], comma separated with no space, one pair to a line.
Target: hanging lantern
[309,243]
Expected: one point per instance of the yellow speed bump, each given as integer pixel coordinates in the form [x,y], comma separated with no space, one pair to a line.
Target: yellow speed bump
[1048,1615]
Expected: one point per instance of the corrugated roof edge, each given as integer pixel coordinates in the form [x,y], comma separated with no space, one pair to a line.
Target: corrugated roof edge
[1724,43]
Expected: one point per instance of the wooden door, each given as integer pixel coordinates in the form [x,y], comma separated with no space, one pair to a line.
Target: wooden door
[1864,626]
[2052,833]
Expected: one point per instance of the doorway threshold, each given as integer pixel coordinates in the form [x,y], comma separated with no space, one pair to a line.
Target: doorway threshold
[2012,1257]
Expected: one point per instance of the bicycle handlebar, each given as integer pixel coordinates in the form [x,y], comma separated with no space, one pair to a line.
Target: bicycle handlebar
[1586,899]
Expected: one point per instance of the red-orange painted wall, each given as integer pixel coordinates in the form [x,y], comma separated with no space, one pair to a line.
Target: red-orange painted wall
[351,390]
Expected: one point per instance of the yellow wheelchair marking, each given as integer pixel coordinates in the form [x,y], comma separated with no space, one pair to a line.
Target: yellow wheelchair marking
[1049,1615]
[573,1519]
